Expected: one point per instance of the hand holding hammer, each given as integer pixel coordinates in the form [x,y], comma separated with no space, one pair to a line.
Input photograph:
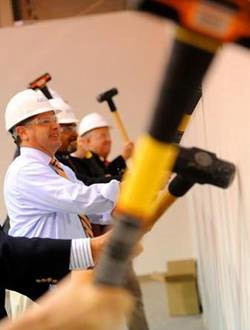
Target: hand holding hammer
[128,149]
[108,97]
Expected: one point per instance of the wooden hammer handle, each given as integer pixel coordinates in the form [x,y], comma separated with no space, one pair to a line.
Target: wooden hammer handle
[120,126]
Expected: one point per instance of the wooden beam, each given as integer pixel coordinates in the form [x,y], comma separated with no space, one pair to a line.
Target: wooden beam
[6,13]
[47,9]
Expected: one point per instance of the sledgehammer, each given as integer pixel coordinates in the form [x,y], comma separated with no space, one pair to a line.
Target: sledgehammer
[194,165]
[107,96]
[40,83]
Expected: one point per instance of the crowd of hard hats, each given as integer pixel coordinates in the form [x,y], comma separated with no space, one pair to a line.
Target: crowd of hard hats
[29,103]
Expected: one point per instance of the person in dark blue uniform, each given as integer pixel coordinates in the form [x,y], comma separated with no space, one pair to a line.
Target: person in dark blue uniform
[30,265]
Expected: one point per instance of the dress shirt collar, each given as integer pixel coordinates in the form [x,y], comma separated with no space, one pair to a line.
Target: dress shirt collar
[35,154]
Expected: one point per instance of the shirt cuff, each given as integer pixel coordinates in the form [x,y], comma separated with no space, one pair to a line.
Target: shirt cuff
[80,254]
[111,190]
[101,219]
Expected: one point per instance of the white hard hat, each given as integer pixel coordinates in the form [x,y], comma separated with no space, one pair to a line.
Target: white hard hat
[24,105]
[66,115]
[91,121]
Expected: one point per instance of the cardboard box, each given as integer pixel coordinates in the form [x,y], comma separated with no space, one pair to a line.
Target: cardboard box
[182,290]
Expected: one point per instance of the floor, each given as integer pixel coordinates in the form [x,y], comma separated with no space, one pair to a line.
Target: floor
[155,301]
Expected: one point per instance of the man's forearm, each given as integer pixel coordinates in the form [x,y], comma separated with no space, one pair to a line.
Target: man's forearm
[76,304]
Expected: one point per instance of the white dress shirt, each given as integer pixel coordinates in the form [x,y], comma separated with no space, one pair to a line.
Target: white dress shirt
[41,203]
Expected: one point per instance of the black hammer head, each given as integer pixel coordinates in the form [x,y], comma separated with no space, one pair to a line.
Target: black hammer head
[201,166]
[107,96]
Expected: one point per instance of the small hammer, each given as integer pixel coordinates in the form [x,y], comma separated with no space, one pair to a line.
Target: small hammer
[40,83]
[107,96]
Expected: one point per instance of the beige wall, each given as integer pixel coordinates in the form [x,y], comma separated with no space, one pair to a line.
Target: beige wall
[86,56]
[221,217]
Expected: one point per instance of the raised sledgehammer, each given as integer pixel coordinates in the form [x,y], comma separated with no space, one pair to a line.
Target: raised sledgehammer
[40,83]
[108,97]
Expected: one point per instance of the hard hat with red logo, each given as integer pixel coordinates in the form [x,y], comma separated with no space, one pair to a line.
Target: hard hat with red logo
[24,105]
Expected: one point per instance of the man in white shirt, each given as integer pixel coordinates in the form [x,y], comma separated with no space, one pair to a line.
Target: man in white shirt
[39,201]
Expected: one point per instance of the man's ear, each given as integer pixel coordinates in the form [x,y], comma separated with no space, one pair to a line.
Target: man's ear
[87,139]
[22,133]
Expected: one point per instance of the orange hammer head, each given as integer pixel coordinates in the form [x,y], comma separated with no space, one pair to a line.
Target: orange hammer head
[40,82]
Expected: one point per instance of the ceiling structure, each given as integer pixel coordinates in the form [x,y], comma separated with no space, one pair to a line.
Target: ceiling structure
[21,12]
[30,10]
